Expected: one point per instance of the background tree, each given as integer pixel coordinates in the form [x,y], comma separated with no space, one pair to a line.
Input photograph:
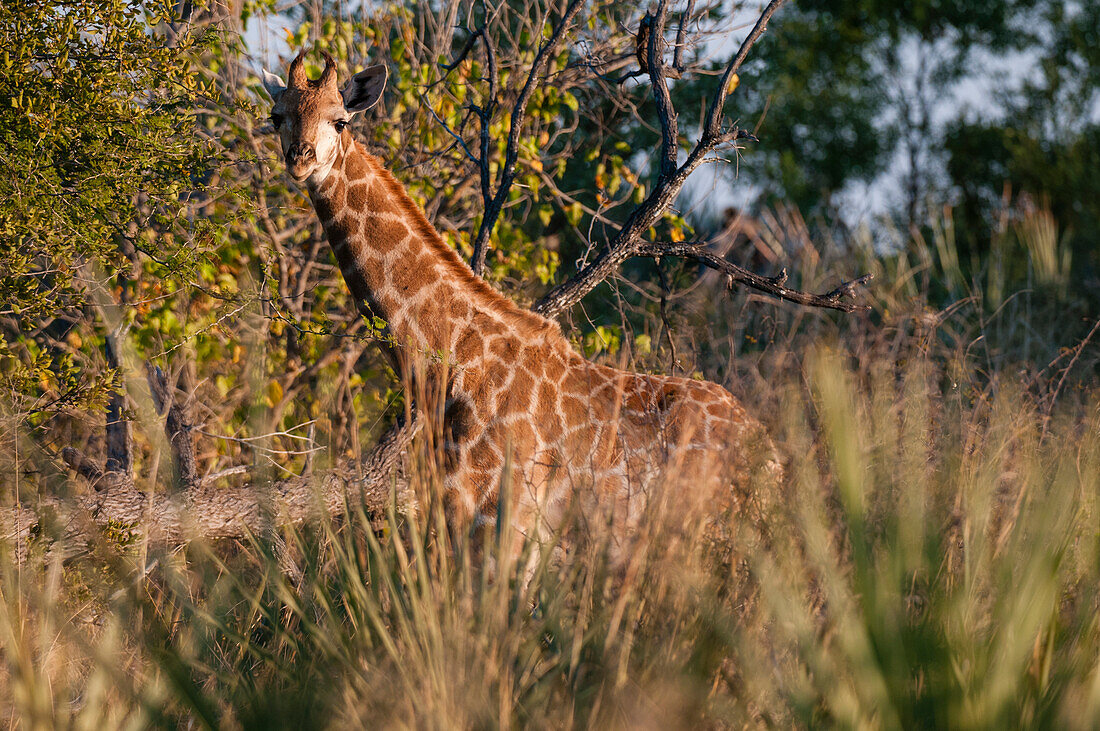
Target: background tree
[1040,140]
[97,163]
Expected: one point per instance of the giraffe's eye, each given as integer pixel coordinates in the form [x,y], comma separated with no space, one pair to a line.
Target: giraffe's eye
[340,124]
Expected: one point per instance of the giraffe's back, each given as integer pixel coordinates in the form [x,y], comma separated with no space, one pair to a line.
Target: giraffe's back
[690,430]
[627,434]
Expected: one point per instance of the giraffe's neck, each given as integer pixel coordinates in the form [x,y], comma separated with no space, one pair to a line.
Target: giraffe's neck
[396,262]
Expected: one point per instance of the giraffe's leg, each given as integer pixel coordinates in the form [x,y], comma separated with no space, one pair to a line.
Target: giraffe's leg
[471,486]
[500,495]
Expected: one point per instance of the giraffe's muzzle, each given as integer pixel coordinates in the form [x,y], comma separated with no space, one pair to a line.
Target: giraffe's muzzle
[300,153]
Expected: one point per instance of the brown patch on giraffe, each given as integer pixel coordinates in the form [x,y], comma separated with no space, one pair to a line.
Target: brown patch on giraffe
[575,407]
[330,183]
[423,265]
[505,348]
[460,309]
[357,196]
[490,504]
[520,437]
[478,384]
[521,392]
[555,360]
[404,279]
[534,361]
[636,401]
[385,231]
[577,386]
[470,345]
[605,390]
[428,313]
[356,166]
[488,326]
[483,457]
[548,396]
[483,484]
[323,206]
[550,460]
[718,409]
[338,200]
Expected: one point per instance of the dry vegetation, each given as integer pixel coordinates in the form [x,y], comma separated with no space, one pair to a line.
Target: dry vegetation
[931,558]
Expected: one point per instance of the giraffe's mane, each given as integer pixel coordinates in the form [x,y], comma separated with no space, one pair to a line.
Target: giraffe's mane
[456,267]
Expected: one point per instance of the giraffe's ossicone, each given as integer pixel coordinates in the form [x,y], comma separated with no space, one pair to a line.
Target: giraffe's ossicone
[525,415]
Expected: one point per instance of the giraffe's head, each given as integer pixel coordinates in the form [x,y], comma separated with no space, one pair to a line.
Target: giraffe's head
[310,114]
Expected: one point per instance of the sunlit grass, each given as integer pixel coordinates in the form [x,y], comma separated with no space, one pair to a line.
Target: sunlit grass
[932,560]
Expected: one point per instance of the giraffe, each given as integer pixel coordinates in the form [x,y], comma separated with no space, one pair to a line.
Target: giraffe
[525,417]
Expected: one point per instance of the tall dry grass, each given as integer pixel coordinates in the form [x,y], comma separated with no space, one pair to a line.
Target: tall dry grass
[930,560]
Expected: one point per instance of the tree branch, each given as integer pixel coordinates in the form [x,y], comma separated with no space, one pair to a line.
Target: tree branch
[447,128]
[836,299]
[670,179]
[666,113]
[677,56]
[177,427]
[712,130]
[119,441]
[465,51]
[485,116]
[511,152]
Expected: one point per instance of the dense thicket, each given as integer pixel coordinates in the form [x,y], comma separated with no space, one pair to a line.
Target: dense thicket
[97,158]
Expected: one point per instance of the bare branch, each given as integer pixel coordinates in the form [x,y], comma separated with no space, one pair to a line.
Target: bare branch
[666,113]
[670,179]
[469,44]
[836,299]
[621,247]
[712,130]
[447,128]
[197,512]
[685,18]
[485,115]
[511,152]
[119,440]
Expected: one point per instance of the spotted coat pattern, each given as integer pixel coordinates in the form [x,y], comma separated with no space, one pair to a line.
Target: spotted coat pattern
[523,410]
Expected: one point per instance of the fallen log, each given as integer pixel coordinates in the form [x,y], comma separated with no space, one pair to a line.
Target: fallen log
[208,512]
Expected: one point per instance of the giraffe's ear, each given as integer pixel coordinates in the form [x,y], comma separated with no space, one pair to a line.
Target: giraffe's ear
[274,85]
[365,88]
